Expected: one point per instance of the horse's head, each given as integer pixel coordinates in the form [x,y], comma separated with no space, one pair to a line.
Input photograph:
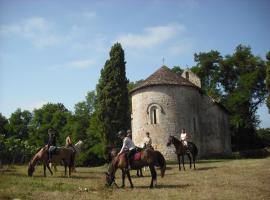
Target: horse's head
[170,141]
[110,175]
[110,179]
[31,169]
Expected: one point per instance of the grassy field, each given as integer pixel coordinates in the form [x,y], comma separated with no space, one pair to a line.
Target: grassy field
[213,179]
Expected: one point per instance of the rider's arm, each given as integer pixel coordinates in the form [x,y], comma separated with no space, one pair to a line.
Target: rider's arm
[123,147]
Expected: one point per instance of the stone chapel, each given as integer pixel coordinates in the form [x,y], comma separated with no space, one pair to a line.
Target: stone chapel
[165,103]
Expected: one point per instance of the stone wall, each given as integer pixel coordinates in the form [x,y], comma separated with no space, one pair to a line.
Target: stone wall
[179,107]
[193,78]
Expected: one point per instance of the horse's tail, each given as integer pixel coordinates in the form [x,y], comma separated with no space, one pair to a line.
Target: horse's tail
[194,151]
[161,162]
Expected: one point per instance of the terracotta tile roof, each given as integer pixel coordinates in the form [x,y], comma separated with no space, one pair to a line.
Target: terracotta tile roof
[164,76]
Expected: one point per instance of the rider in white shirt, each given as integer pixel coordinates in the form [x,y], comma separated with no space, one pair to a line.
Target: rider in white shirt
[147,141]
[184,137]
[128,145]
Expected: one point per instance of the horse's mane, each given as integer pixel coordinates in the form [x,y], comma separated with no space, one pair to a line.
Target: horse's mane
[175,139]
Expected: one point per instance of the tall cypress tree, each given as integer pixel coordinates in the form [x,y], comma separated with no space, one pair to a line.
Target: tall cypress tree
[268,79]
[112,98]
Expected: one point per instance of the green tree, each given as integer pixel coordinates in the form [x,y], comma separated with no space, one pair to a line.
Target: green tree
[207,69]
[177,69]
[49,116]
[3,125]
[238,81]
[19,122]
[112,96]
[268,79]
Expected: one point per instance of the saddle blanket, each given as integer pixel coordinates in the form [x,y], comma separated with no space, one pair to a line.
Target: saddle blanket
[137,156]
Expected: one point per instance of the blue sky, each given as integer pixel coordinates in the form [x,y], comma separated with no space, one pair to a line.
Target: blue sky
[53,51]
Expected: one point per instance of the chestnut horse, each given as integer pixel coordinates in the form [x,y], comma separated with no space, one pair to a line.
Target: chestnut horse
[148,157]
[191,151]
[65,154]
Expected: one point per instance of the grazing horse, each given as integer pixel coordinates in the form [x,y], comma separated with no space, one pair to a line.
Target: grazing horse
[148,157]
[192,151]
[64,154]
[77,147]
[114,153]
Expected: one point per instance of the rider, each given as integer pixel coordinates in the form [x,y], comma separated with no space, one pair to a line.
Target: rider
[147,141]
[69,143]
[128,145]
[184,138]
[129,134]
[51,142]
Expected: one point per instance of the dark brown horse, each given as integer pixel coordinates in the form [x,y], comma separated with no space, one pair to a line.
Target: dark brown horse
[191,151]
[149,158]
[65,154]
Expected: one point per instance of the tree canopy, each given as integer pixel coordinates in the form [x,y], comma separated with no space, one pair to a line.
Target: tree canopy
[238,81]
[113,98]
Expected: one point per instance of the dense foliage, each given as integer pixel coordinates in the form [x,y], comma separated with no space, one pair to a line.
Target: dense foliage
[238,82]
[112,98]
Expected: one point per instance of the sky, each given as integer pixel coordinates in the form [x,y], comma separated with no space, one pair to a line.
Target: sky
[53,50]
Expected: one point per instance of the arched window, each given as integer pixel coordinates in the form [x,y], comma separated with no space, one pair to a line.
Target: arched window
[187,75]
[154,112]
[153,115]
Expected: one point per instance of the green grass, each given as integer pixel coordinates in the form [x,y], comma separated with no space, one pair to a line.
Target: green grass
[213,179]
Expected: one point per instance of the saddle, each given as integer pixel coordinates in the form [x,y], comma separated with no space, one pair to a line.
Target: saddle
[53,150]
[137,156]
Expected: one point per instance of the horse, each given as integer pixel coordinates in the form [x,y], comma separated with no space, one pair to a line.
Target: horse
[148,157]
[64,154]
[192,150]
[77,147]
[114,153]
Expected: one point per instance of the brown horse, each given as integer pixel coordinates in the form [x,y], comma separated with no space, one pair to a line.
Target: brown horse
[65,154]
[191,151]
[149,158]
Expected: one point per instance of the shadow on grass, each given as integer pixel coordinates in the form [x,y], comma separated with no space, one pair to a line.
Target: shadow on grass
[213,161]
[85,177]
[164,186]
[144,176]
[204,168]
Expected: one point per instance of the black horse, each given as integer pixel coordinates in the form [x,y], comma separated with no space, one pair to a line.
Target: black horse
[191,151]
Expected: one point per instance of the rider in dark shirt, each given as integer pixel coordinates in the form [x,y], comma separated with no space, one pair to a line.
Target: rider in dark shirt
[51,142]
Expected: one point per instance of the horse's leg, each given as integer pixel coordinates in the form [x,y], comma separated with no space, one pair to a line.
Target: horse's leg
[129,178]
[193,158]
[44,168]
[179,162]
[183,162]
[138,173]
[47,165]
[55,169]
[69,170]
[154,176]
[65,165]
[123,177]
[141,172]
[190,165]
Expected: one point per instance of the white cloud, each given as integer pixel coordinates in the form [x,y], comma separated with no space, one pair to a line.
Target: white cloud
[151,36]
[80,64]
[37,30]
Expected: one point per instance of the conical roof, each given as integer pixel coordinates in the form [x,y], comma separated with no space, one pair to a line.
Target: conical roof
[164,76]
